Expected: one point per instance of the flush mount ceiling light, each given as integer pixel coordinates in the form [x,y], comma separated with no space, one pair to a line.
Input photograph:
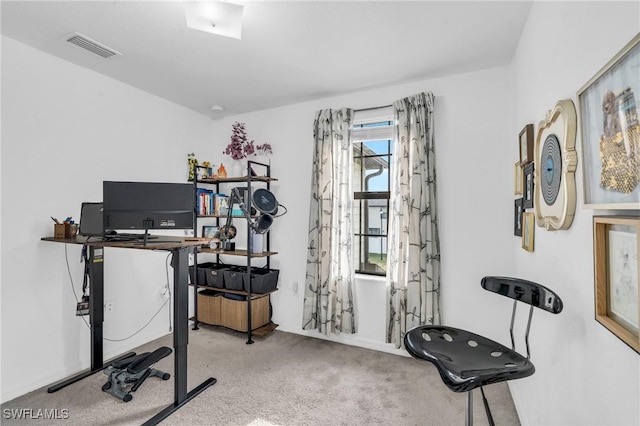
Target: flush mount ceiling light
[215,17]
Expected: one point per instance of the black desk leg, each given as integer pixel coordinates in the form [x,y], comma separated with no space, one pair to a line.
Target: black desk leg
[180,263]
[96,307]
[194,282]
[96,318]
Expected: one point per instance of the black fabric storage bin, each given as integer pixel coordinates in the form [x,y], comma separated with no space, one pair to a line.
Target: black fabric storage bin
[262,280]
[234,296]
[234,278]
[201,277]
[214,275]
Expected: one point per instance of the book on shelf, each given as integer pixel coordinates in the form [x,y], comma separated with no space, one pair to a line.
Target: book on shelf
[220,204]
[204,202]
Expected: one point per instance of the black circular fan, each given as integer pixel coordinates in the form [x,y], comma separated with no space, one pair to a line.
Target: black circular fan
[265,201]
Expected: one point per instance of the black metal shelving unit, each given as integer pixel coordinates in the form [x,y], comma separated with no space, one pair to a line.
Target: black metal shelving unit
[248,180]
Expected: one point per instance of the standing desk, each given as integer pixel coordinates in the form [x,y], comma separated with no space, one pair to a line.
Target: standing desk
[180,247]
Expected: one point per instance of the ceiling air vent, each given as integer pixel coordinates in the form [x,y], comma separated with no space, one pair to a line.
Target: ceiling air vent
[92,45]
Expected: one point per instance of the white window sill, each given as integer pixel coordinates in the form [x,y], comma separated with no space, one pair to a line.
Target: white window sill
[371,278]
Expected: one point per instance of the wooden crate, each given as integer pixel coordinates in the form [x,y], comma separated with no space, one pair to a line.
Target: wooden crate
[214,309]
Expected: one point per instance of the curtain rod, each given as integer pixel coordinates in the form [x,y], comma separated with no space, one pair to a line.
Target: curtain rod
[371,109]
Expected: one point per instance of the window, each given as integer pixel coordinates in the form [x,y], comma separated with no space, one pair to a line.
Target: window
[372,136]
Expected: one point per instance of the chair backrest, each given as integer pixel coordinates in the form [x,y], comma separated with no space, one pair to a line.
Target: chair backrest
[524,291]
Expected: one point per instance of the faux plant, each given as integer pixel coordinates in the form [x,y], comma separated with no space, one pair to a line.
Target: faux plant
[241,147]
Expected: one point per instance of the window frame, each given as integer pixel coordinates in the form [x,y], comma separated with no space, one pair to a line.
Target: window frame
[368,126]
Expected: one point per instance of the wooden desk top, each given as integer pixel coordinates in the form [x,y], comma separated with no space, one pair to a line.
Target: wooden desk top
[163,242]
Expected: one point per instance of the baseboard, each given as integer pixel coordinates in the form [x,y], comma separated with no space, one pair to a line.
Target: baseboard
[349,339]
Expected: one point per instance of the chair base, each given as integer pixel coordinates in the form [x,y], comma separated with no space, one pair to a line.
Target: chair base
[468,421]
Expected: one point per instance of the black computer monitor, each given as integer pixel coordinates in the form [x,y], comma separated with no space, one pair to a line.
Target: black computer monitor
[147,205]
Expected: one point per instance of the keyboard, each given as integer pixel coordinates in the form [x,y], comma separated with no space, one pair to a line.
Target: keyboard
[127,237]
[120,238]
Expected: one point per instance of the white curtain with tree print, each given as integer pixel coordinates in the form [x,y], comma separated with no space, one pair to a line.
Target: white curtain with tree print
[413,265]
[329,304]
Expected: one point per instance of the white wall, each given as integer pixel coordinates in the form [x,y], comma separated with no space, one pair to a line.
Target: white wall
[65,129]
[584,375]
[474,173]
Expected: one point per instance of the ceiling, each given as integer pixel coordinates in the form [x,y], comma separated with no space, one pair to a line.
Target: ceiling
[290,51]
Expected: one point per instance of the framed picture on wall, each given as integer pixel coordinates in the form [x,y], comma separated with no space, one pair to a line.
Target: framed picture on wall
[517,217]
[527,179]
[210,232]
[517,178]
[610,126]
[616,246]
[528,222]
[526,144]
[555,165]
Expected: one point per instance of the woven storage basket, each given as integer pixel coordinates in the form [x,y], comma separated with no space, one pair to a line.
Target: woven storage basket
[214,309]
[234,313]
[209,307]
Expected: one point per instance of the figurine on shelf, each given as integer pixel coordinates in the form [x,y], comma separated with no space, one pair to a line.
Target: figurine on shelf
[222,172]
[207,171]
[193,162]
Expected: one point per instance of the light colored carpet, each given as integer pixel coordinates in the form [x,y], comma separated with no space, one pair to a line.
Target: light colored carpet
[282,379]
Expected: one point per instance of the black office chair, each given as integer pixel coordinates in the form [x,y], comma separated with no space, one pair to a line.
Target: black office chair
[131,372]
[466,360]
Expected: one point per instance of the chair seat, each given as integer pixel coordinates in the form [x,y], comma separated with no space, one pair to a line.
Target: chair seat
[466,360]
